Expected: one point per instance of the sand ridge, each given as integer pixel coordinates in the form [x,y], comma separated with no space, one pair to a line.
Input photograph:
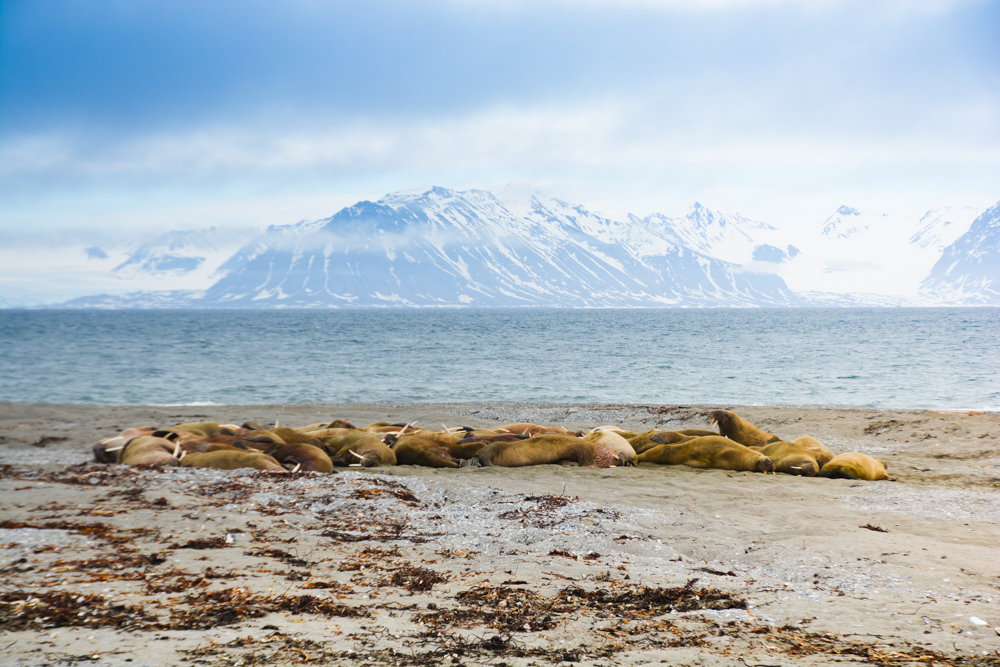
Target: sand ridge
[535,565]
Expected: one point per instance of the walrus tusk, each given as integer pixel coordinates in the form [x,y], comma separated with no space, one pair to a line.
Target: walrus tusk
[358,455]
[502,430]
[276,422]
[183,454]
[177,450]
[115,449]
[296,468]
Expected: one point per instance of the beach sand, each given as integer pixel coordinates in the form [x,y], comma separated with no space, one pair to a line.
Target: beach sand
[116,565]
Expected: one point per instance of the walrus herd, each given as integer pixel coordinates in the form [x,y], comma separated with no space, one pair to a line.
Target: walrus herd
[321,447]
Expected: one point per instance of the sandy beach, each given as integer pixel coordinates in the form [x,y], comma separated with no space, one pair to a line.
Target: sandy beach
[116,565]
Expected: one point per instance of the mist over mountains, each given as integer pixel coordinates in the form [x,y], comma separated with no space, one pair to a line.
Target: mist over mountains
[442,248]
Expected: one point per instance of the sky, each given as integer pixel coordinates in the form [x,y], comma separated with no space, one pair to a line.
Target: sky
[121,118]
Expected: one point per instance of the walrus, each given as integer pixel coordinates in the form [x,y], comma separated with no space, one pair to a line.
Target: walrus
[293,436]
[149,450]
[791,459]
[301,456]
[854,465]
[418,450]
[231,460]
[367,451]
[106,451]
[734,427]
[541,450]
[203,446]
[709,451]
[646,441]
[616,443]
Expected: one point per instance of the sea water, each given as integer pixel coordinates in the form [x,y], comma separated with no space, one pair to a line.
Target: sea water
[906,358]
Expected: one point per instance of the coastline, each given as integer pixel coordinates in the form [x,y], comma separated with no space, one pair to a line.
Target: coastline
[816,571]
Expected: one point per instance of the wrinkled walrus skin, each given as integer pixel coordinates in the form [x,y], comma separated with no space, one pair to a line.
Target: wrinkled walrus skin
[542,450]
[854,465]
[710,451]
[734,427]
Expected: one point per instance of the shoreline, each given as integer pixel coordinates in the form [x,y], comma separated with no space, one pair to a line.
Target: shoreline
[516,566]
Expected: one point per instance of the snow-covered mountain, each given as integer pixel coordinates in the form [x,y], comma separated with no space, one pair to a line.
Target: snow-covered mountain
[969,268]
[438,247]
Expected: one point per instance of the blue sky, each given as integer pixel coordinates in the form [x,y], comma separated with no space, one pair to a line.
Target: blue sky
[122,117]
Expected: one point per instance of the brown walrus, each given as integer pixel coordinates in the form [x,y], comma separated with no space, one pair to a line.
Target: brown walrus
[301,457]
[148,450]
[646,441]
[106,451]
[710,451]
[854,465]
[368,451]
[418,450]
[791,459]
[231,460]
[820,452]
[734,427]
[541,450]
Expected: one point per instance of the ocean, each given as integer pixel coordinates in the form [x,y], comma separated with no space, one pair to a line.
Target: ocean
[946,358]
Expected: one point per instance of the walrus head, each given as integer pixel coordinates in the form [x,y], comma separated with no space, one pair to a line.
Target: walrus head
[604,458]
[764,465]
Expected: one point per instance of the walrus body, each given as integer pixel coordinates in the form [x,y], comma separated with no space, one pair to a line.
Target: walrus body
[734,427]
[711,451]
[646,441]
[466,449]
[301,456]
[819,451]
[854,465]
[699,432]
[293,436]
[530,429]
[417,450]
[148,450]
[791,459]
[232,460]
[336,423]
[541,450]
[198,428]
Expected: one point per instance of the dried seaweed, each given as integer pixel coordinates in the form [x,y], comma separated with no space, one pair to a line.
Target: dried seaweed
[22,610]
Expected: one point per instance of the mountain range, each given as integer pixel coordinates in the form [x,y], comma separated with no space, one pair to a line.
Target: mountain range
[436,247]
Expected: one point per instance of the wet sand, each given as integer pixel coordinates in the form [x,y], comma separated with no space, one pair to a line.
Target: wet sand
[518,566]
